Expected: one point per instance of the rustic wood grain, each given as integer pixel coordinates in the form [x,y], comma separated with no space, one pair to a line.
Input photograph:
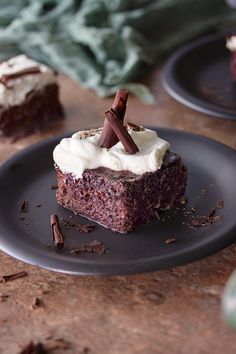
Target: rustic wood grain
[173,311]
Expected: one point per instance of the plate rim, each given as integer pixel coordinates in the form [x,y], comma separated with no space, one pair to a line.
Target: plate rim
[121,268]
[179,93]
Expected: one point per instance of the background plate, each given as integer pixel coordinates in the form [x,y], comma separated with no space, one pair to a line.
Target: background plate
[28,175]
[198,75]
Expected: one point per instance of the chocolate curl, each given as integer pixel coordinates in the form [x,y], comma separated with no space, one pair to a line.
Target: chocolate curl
[108,138]
[121,132]
[28,71]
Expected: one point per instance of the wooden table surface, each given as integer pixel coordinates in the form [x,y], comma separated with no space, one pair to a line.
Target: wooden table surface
[172,311]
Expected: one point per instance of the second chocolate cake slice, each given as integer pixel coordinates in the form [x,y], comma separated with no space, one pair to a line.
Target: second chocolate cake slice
[29,97]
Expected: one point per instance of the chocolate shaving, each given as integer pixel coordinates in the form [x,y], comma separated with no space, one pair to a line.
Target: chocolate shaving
[6,278]
[206,220]
[170,240]
[92,247]
[57,236]
[211,215]
[83,228]
[134,127]
[108,137]
[24,206]
[28,349]
[121,132]
[198,222]
[156,212]
[60,344]
[28,71]
[216,218]
[32,348]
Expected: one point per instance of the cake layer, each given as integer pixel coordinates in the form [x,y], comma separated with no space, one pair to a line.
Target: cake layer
[122,200]
[39,108]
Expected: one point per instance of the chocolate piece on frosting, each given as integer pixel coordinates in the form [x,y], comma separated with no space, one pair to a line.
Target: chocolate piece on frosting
[28,71]
[121,132]
[108,137]
[113,129]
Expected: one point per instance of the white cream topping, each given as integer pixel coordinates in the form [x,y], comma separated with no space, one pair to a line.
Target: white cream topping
[76,154]
[20,86]
[231,43]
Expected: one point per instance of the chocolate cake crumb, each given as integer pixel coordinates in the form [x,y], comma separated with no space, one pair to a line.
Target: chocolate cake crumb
[92,247]
[220,204]
[36,303]
[53,186]
[82,228]
[170,240]
[24,206]
[3,297]
[184,200]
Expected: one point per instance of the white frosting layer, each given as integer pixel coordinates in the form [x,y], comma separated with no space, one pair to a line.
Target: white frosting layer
[231,43]
[19,87]
[76,154]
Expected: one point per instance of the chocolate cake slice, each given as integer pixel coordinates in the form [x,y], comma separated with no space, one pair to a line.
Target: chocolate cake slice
[121,200]
[122,186]
[29,97]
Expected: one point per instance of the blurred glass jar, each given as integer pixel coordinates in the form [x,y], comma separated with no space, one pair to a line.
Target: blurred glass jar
[229,301]
[231,3]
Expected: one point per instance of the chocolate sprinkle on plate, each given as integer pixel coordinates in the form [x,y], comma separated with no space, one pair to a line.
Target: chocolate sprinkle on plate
[220,204]
[32,348]
[92,247]
[82,228]
[24,206]
[57,235]
[53,186]
[36,303]
[170,240]
[6,278]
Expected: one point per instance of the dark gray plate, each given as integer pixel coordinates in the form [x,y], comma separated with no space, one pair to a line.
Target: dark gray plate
[198,75]
[27,176]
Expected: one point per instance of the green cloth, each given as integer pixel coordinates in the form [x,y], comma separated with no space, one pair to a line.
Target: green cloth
[105,44]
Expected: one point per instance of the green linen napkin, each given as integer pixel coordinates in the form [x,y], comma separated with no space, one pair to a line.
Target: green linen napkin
[105,44]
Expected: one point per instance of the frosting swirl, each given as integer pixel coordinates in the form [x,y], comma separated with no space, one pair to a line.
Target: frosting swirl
[81,151]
